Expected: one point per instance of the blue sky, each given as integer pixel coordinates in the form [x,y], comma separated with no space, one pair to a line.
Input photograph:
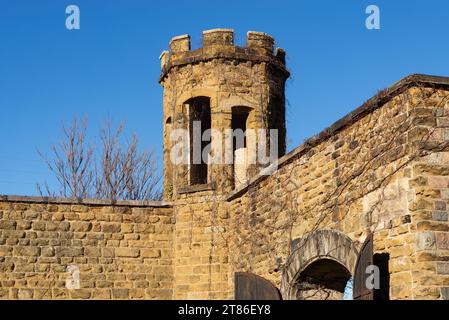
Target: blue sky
[110,66]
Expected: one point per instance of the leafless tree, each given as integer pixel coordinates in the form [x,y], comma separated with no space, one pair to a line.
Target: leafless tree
[71,162]
[116,170]
[123,171]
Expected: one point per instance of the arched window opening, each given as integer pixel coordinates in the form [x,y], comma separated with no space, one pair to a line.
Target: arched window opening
[240,116]
[199,122]
[168,129]
[168,121]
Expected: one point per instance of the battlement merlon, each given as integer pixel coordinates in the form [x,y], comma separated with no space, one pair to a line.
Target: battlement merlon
[219,44]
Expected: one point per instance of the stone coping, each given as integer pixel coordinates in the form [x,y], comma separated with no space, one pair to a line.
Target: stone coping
[258,33]
[369,106]
[218,30]
[183,36]
[197,188]
[91,202]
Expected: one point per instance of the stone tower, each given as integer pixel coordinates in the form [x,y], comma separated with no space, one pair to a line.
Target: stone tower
[220,87]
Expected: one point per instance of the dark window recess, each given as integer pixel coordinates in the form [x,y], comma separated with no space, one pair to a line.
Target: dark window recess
[239,119]
[239,123]
[199,111]
[277,121]
[381,260]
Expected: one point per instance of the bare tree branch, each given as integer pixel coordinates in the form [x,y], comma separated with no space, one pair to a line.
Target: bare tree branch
[116,170]
[71,162]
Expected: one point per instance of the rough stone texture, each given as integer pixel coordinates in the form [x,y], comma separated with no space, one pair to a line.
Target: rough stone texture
[382,169]
[381,184]
[326,244]
[39,240]
[251,77]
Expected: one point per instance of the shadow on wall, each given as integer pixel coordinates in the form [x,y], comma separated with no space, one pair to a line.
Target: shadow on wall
[381,260]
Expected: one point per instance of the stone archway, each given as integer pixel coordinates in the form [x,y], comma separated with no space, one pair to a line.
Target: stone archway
[328,255]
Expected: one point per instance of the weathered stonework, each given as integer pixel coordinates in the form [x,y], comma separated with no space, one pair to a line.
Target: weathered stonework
[382,170]
[252,77]
[122,251]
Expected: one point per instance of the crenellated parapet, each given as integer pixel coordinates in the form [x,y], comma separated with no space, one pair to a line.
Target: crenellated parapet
[219,44]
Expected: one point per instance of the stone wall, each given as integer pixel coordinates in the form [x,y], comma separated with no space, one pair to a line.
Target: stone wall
[378,170]
[122,251]
[201,265]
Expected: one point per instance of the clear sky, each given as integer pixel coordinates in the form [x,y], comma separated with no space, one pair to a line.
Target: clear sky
[110,66]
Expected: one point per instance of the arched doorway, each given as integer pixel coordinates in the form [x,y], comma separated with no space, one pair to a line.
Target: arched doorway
[322,279]
[320,266]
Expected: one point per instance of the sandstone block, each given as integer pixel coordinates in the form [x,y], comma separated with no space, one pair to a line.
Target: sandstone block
[426,293]
[27,251]
[79,208]
[439,216]
[444,293]
[4,293]
[443,268]
[111,227]
[7,225]
[78,226]
[127,228]
[92,251]
[69,251]
[150,253]
[442,240]
[144,228]
[80,293]
[23,225]
[25,294]
[127,252]
[101,294]
[58,216]
[5,251]
[153,219]
[108,252]
[87,216]
[120,293]
[431,225]
[425,241]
